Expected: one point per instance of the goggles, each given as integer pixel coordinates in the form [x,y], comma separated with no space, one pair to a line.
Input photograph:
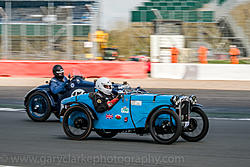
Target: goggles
[60,71]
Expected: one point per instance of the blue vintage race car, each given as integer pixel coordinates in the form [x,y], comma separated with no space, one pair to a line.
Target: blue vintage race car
[40,102]
[165,117]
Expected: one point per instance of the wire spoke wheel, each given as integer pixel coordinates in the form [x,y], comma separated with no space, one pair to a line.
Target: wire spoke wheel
[38,107]
[165,126]
[77,123]
[198,126]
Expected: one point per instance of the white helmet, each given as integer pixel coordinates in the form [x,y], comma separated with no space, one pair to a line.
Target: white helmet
[104,85]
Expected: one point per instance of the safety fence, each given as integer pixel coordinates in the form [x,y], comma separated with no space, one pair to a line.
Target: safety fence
[111,69]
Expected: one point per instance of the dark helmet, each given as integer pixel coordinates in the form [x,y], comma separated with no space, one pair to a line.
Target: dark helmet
[58,71]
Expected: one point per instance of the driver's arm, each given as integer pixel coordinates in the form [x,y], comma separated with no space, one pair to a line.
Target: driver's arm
[111,103]
[101,105]
[57,87]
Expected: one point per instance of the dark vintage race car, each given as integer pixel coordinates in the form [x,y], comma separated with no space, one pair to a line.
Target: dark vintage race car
[40,102]
[165,117]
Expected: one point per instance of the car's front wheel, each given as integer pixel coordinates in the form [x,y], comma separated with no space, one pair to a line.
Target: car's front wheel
[38,107]
[77,123]
[198,126]
[165,126]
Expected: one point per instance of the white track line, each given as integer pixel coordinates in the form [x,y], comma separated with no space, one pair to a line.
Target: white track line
[12,109]
[231,119]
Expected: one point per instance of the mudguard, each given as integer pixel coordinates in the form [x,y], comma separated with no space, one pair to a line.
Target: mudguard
[91,112]
[197,105]
[52,101]
[152,112]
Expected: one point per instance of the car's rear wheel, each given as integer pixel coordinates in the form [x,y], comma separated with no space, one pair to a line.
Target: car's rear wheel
[198,126]
[38,107]
[165,126]
[77,123]
[106,133]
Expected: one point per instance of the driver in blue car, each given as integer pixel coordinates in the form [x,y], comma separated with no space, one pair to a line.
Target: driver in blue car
[104,99]
[58,82]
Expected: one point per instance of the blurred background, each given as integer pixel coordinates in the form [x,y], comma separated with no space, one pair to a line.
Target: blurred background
[142,30]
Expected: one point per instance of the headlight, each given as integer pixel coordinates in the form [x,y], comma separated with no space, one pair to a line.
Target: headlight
[175,100]
[193,99]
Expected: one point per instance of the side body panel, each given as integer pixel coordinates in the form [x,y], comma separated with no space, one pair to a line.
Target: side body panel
[79,83]
[116,118]
[142,105]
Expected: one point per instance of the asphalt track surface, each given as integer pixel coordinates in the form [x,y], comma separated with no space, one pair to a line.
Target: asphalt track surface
[27,143]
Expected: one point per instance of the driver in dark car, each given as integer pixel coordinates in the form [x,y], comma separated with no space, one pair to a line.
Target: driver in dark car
[104,99]
[58,82]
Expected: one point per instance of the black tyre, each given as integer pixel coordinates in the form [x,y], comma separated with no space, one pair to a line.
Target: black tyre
[198,126]
[165,126]
[38,107]
[106,133]
[77,123]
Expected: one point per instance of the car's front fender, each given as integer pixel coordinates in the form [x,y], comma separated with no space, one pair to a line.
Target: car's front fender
[91,112]
[52,101]
[153,111]
[197,105]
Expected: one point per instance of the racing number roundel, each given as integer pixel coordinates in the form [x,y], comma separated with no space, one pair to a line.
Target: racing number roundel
[77,92]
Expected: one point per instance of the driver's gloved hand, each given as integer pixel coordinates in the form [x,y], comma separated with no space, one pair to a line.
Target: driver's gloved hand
[67,85]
